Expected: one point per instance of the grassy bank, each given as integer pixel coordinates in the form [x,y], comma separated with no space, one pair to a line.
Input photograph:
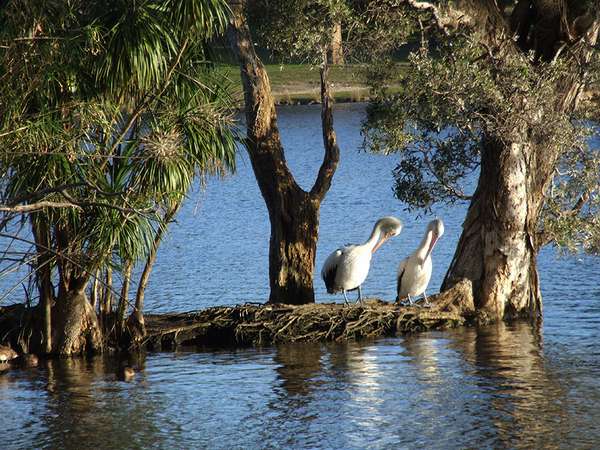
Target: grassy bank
[300,84]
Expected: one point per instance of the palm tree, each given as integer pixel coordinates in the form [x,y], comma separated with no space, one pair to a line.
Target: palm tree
[109,112]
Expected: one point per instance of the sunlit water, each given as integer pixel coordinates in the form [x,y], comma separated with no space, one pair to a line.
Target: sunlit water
[503,386]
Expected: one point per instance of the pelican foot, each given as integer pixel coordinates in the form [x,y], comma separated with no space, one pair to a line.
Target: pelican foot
[423,303]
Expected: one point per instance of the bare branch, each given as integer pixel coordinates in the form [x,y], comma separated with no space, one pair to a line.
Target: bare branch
[14,207]
[88,204]
[37,206]
[332,151]
[33,196]
[431,8]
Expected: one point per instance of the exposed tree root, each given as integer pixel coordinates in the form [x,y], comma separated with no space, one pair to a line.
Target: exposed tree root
[266,324]
[248,324]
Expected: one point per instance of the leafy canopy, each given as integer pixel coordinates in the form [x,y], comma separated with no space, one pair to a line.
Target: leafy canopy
[460,92]
[112,106]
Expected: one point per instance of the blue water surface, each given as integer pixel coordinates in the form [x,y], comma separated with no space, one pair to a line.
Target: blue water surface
[501,386]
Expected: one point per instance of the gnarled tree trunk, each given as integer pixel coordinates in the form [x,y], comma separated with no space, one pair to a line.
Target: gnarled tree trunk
[498,247]
[76,328]
[293,212]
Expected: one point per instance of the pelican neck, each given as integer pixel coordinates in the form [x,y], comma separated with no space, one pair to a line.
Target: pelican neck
[424,245]
[374,238]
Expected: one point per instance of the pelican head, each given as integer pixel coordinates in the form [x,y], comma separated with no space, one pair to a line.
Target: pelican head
[436,227]
[387,227]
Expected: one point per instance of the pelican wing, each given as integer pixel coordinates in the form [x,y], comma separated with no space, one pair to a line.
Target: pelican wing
[401,270]
[329,270]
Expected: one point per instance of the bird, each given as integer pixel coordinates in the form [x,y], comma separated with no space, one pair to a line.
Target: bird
[414,271]
[7,353]
[125,373]
[347,267]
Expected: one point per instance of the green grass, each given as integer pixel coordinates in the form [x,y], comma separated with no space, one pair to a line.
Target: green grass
[298,83]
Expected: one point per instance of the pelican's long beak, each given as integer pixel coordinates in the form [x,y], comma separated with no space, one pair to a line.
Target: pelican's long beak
[433,241]
[383,238]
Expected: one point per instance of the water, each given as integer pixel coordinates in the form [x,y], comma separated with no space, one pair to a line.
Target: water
[502,386]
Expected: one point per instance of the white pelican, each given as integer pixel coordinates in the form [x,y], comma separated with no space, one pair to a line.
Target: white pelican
[347,267]
[414,272]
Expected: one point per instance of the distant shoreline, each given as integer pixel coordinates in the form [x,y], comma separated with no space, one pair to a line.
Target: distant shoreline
[299,84]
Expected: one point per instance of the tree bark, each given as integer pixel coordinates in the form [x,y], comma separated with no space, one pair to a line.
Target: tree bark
[124,297]
[293,212]
[498,247]
[94,290]
[41,235]
[76,327]
[106,305]
[335,55]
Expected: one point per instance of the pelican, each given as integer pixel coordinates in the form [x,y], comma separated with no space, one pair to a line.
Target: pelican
[414,272]
[347,267]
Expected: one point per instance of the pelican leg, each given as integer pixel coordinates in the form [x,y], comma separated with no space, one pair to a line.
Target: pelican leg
[345,297]
[408,301]
[426,303]
[359,300]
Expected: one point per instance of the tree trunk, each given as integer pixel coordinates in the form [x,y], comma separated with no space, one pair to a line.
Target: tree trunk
[94,290]
[41,235]
[293,212]
[136,319]
[76,327]
[106,304]
[497,249]
[124,297]
[292,249]
[336,51]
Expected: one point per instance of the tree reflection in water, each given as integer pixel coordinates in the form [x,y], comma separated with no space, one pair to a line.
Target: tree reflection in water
[87,407]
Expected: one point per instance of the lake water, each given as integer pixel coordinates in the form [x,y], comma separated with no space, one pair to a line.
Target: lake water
[502,386]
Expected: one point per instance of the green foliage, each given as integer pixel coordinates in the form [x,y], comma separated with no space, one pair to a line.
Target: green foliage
[296,30]
[571,216]
[116,104]
[459,93]
[301,30]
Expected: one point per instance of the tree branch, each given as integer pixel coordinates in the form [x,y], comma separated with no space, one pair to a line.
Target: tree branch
[332,151]
[36,195]
[433,9]
[88,204]
[451,189]
[263,140]
[14,207]
[37,206]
